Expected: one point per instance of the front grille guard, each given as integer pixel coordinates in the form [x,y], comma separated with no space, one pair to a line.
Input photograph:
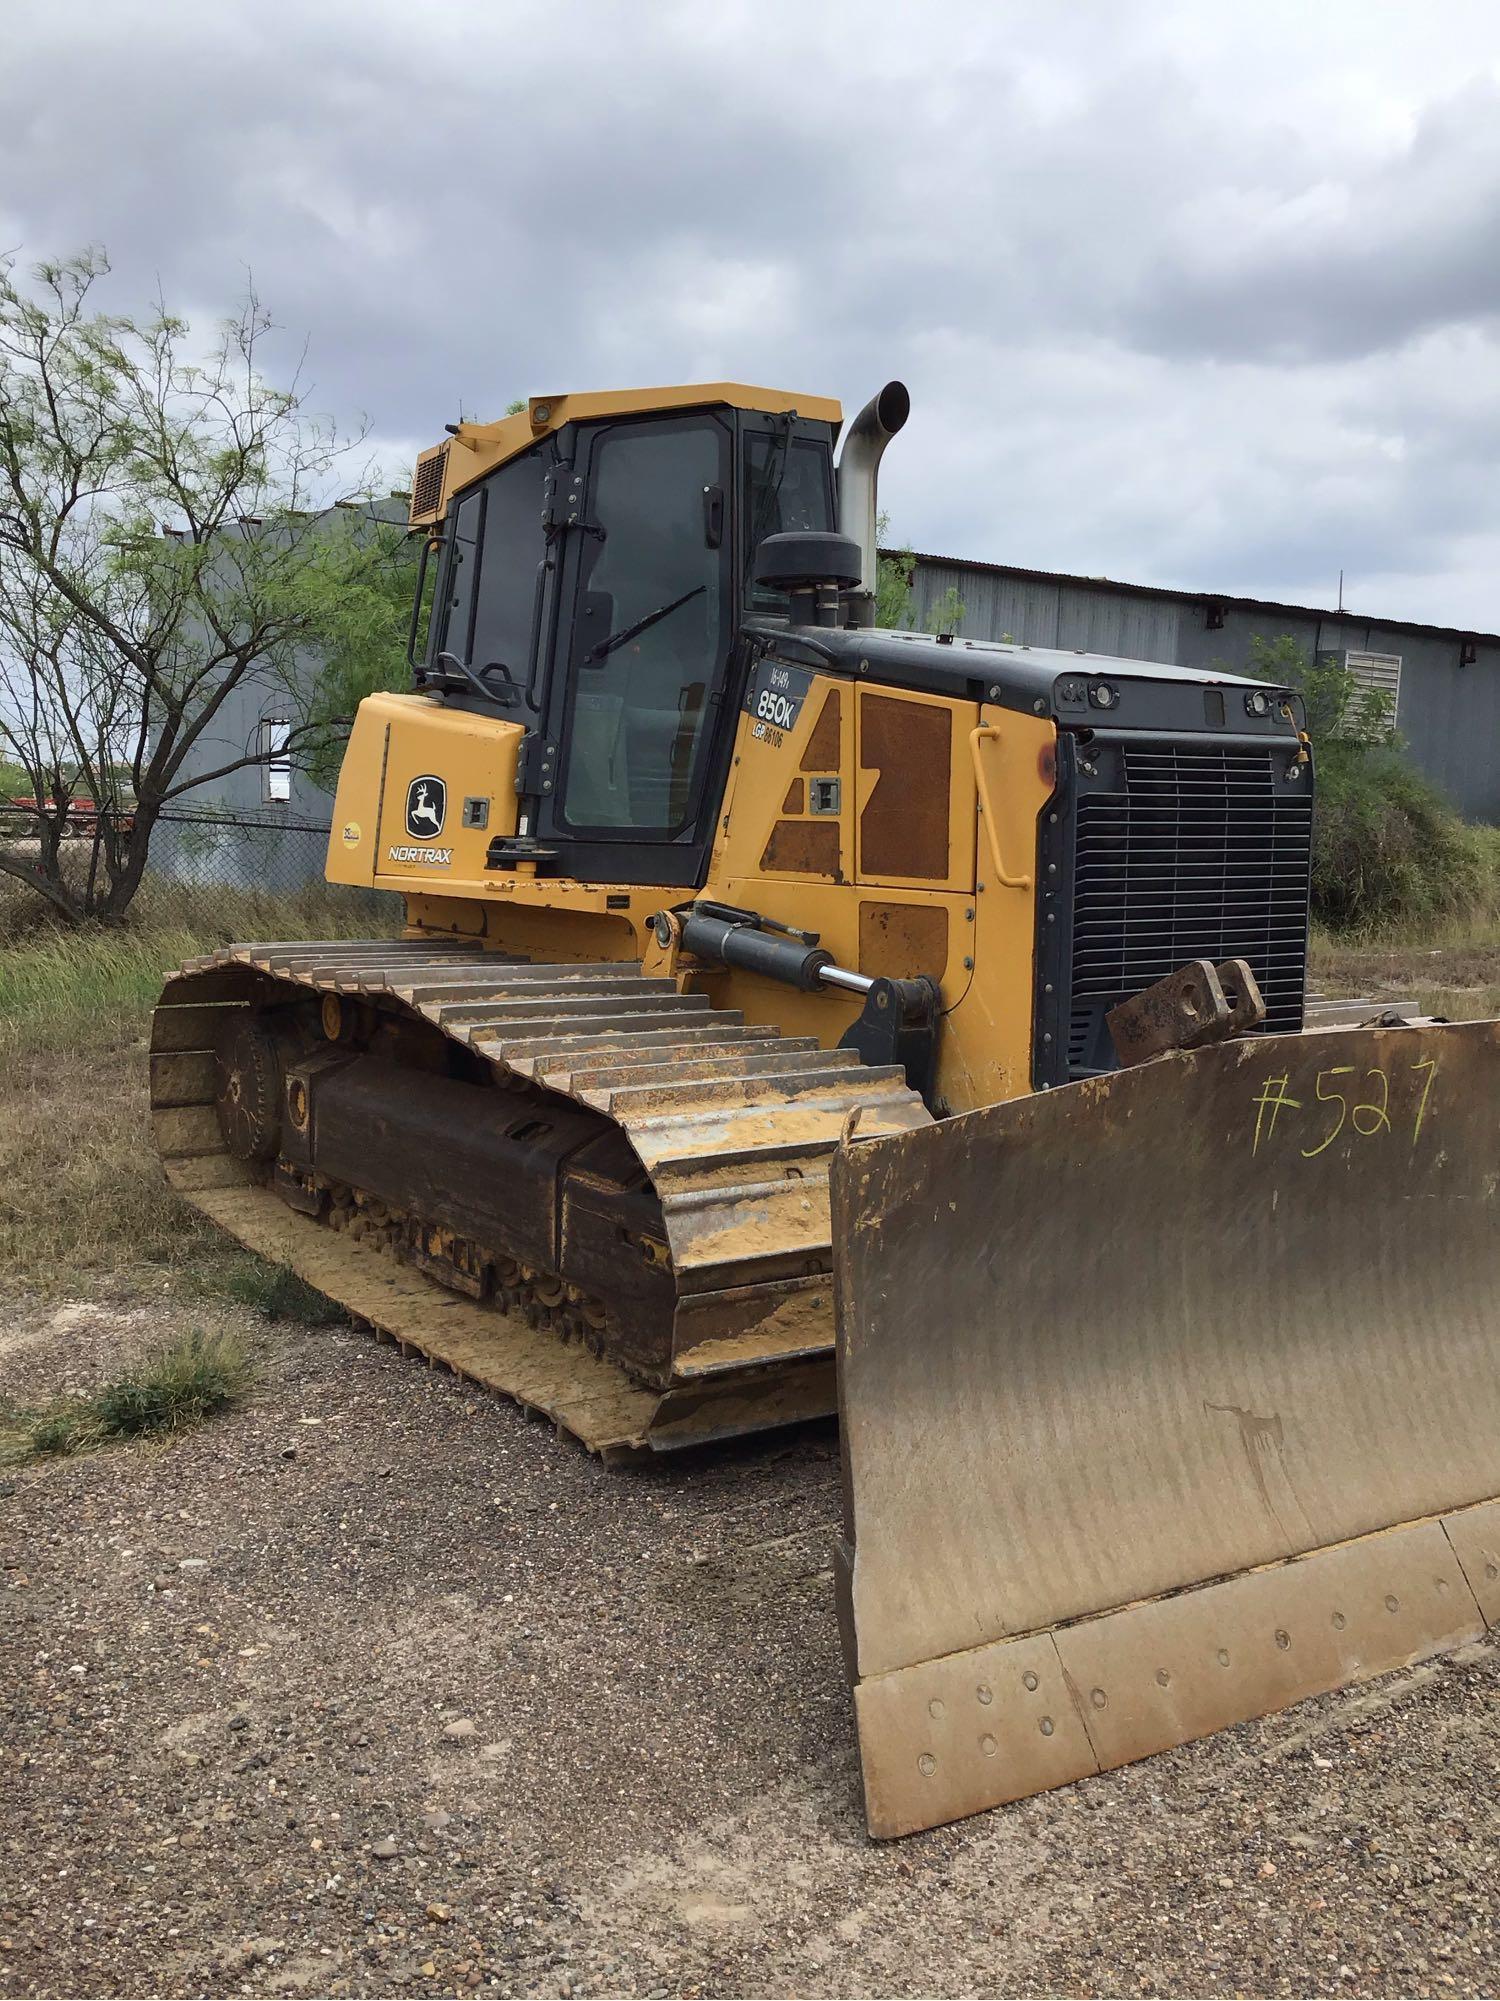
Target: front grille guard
[1156,850]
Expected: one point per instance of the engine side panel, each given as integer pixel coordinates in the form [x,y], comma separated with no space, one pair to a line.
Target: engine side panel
[423,790]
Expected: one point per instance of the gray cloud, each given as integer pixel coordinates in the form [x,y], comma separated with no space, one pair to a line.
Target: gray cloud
[1181,295]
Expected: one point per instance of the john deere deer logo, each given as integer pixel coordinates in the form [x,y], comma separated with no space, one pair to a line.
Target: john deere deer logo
[426,806]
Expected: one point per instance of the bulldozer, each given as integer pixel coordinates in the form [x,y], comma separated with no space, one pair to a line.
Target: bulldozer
[793,1015]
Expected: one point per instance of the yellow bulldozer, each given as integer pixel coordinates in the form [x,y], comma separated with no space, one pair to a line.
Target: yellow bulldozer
[793,1015]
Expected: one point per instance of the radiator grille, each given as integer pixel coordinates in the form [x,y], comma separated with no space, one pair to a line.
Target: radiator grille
[1203,853]
[427,483]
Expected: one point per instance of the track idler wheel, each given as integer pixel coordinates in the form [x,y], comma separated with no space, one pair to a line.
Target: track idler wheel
[248,1089]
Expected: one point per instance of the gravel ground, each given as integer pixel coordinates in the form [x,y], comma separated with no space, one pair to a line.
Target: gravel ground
[376,1686]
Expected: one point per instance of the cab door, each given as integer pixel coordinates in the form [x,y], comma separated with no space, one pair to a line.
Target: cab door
[637,708]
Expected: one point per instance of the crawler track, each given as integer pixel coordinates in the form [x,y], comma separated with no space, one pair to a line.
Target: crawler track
[676,1236]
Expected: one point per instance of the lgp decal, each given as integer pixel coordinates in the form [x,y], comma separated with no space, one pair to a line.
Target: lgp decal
[426,807]
[351,833]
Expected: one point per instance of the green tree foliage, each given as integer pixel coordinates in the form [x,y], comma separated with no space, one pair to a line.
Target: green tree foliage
[364,652]
[363,645]
[165,537]
[895,593]
[1387,848]
[895,590]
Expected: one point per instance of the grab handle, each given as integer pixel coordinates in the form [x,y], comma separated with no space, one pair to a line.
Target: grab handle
[991,732]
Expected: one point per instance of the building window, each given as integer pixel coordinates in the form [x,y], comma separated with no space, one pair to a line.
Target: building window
[276,764]
[1377,684]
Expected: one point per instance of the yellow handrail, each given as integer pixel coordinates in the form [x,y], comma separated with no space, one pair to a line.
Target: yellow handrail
[991,732]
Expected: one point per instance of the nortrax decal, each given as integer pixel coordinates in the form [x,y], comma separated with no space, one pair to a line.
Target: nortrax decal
[433,857]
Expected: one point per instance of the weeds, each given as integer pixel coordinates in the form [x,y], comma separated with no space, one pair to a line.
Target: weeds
[1389,852]
[81,1189]
[171,1389]
[58,983]
[1450,969]
[275,1292]
[47,1434]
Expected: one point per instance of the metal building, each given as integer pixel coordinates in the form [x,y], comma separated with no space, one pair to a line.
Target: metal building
[1445,679]
[261,825]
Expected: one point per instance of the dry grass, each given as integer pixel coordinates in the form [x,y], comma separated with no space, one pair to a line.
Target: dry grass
[80,1188]
[1451,969]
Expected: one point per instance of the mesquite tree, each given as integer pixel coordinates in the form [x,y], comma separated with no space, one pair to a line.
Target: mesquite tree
[167,533]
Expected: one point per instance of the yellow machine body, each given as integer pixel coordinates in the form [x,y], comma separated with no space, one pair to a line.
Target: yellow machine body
[1167,1387]
[885,899]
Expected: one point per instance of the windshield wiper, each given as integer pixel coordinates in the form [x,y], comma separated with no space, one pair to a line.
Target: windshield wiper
[607,646]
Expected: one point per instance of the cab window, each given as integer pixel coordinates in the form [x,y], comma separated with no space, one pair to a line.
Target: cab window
[652,631]
[788,485]
[490,585]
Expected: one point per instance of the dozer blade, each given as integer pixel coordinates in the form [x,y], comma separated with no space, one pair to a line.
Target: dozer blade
[1169,1398]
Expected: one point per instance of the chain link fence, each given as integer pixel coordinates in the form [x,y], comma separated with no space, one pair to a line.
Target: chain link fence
[246,869]
[204,848]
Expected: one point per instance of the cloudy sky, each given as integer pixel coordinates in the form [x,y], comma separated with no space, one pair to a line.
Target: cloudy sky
[1195,294]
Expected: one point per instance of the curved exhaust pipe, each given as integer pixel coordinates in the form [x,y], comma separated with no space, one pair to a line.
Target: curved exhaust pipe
[859,467]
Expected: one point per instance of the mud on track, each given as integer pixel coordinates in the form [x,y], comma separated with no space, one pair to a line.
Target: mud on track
[234,1668]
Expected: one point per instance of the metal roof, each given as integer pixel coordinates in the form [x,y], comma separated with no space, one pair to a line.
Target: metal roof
[1228,598]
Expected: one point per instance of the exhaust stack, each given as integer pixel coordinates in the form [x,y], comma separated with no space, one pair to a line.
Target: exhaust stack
[859,467]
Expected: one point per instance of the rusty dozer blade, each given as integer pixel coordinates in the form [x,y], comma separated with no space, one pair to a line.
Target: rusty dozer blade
[1169,1398]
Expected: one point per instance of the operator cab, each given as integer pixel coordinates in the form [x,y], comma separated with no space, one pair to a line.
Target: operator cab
[593,587]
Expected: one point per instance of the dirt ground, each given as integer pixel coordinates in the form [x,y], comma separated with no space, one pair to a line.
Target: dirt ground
[375,1686]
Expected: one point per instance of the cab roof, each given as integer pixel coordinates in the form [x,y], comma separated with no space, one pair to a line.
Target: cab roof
[475,449]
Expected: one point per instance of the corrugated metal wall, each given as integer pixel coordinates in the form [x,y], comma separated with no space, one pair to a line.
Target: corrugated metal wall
[234,732]
[1048,612]
[1449,713]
